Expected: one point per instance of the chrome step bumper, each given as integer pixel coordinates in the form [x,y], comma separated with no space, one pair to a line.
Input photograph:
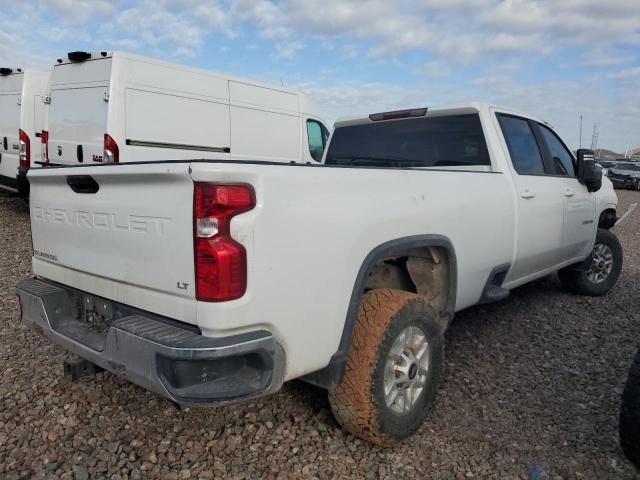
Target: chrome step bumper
[171,359]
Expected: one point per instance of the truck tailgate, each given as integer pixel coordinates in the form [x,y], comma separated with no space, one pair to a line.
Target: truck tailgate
[124,232]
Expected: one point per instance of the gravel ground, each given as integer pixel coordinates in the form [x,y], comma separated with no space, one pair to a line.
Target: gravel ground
[532,389]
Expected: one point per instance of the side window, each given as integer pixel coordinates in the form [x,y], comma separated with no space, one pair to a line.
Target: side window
[560,156]
[523,148]
[318,136]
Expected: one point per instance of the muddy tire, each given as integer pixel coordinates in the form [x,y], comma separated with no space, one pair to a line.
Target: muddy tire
[602,274]
[394,366]
[630,415]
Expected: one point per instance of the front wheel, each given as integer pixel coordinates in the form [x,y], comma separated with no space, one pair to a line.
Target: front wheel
[602,273]
[393,369]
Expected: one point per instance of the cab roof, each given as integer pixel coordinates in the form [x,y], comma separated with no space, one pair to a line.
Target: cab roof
[449,109]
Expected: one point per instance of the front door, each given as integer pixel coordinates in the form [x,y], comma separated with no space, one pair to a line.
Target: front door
[579,205]
[539,201]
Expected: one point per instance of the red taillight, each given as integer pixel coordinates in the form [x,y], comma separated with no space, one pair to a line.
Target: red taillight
[44,140]
[220,261]
[111,152]
[25,149]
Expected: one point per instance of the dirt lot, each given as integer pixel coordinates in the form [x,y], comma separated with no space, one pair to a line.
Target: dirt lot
[532,390]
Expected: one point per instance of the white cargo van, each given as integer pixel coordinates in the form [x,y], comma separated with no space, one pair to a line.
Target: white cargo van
[110,107]
[22,119]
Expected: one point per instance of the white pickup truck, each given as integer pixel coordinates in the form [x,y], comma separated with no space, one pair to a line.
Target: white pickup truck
[212,281]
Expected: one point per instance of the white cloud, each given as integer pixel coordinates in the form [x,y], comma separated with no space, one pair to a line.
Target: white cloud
[627,74]
[462,30]
[459,31]
[79,11]
[605,58]
[432,45]
[288,50]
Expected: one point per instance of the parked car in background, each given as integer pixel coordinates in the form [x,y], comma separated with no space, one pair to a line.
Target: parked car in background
[607,163]
[630,414]
[23,116]
[115,107]
[213,281]
[625,175]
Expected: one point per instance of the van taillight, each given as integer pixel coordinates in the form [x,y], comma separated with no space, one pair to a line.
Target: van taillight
[220,261]
[25,149]
[44,141]
[111,152]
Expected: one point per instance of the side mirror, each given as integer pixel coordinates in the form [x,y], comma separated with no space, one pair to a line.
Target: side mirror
[589,172]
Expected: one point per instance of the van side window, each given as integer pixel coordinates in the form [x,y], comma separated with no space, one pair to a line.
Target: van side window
[523,148]
[318,136]
[560,155]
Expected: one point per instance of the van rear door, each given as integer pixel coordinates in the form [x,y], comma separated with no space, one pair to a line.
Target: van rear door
[10,99]
[78,112]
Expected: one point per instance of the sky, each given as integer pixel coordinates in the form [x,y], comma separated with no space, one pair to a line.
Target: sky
[556,59]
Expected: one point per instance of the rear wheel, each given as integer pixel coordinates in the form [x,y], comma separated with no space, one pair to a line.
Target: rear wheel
[393,369]
[602,273]
[630,414]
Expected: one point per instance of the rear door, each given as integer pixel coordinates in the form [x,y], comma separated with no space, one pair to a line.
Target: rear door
[579,223]
[39,124]
[78,111]
[10,99]
[539,201]
[77,124]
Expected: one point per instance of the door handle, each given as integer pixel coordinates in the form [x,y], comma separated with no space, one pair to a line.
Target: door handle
[569,193]
[527,194]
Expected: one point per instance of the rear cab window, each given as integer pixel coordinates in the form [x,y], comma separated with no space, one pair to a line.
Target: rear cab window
[437,141]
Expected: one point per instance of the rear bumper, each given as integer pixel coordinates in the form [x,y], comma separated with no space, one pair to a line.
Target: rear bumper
[170,359]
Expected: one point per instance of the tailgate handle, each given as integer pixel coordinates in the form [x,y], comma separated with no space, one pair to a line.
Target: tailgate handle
[82,184]
[79,153]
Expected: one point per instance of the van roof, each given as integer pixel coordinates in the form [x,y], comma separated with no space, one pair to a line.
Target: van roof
[78,57]
[11,79]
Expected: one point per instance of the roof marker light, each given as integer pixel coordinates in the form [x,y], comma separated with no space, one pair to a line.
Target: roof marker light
[79,56]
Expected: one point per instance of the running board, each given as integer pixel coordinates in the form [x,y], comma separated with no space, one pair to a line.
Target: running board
[494,294]
[493,291]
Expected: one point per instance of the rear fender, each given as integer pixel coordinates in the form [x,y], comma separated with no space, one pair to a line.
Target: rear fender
[331,375]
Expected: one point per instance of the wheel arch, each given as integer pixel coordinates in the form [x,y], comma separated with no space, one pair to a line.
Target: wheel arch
[331,374]
[607,218]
